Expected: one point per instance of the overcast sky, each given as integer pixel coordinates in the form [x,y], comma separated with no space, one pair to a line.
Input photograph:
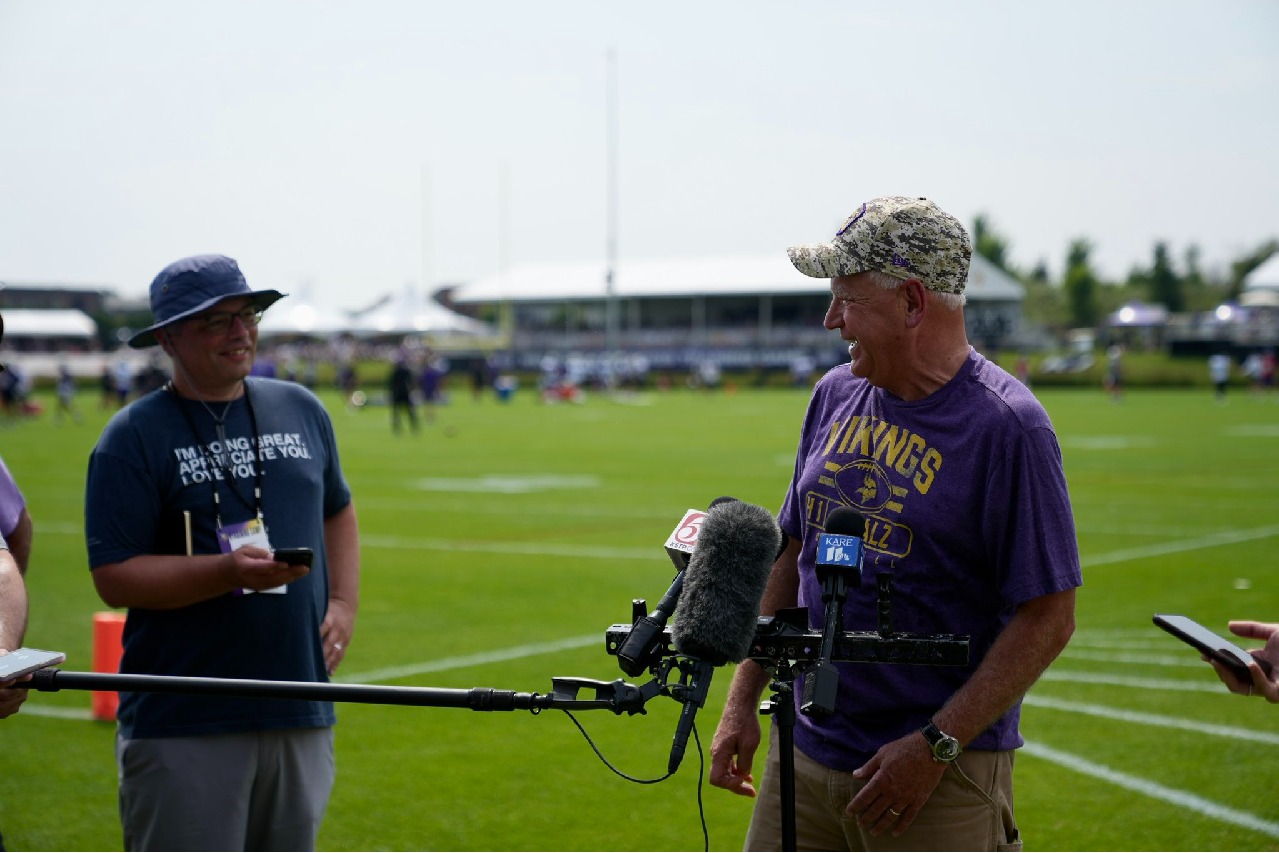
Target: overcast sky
[349,149]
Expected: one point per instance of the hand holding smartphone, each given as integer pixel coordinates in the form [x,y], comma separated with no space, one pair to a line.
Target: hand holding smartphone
[1216,647]
[294,556]
[24,661]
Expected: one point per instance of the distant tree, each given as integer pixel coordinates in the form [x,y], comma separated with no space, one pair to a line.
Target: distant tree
[990,245]
[1080,285]
[1202,292]
[1043,305]
[1241,267]
[1165,284]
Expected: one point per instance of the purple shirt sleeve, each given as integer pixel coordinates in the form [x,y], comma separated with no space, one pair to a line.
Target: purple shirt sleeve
[11,501]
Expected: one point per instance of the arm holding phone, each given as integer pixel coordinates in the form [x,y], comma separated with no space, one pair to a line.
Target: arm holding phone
[13,624]
[1262,684]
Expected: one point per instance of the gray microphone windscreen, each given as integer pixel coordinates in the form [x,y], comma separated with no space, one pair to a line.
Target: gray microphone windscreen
[725,581]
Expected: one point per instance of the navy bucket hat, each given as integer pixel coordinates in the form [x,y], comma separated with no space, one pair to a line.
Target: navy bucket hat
[185,288]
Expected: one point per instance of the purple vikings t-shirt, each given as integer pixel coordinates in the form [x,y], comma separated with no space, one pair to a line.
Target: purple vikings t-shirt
[965,504]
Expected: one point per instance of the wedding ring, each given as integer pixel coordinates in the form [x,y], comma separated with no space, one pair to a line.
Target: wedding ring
[895,813]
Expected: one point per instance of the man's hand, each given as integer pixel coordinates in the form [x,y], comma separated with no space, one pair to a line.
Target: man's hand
[1258,683]
[335,632]
[733,751]
[11,698]
[251,567]
[901,777]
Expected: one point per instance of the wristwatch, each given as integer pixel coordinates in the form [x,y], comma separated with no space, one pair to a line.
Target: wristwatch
[945,747]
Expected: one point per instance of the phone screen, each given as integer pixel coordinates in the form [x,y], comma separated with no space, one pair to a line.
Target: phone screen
[1209,643]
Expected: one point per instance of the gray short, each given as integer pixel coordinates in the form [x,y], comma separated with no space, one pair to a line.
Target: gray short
[250,791]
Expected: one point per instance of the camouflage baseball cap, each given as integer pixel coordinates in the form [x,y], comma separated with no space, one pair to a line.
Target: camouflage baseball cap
[902,237]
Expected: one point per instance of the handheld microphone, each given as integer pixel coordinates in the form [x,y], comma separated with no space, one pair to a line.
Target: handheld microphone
[725,581]
[839,556]
[640,648]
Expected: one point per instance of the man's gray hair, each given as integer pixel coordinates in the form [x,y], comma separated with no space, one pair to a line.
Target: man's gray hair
[943,298]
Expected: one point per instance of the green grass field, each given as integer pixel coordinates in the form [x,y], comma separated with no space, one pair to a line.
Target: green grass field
[501,542]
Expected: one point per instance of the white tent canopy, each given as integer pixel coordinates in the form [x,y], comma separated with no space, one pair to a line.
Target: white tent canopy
[1261,290]
[303,318]
[1265,276]
[25,323]
[411,314]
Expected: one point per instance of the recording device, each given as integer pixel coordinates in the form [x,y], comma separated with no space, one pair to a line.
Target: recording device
[724,583]
[1218,648]
[643,645]
[839,564]
[294,556]
[24,661]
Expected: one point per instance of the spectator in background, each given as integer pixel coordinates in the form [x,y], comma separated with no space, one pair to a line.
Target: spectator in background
[481,377]
[1252,369]
[431,383]
[65,391]
[1219,373]
[1022,369]
[1114,380]
[349,383]
[106,387]
[122,378]
[400,387]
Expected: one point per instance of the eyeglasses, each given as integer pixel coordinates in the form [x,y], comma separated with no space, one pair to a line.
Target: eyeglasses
[219,322]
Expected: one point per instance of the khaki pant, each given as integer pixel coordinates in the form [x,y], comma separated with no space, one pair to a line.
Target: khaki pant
[971,808]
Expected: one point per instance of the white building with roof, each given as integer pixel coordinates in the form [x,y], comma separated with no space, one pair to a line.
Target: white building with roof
[742,311]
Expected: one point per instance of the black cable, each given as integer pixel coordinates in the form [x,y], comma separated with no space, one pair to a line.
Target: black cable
[701,773]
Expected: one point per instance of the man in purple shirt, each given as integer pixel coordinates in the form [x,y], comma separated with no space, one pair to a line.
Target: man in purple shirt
[956,469]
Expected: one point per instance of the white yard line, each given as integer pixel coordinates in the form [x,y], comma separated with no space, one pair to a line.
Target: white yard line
[1154,790]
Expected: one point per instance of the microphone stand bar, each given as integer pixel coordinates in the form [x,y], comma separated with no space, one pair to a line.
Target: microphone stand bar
[616,696]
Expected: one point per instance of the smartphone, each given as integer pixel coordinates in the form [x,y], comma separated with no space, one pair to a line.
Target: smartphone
[22,661]
[1218,648]
[294,556]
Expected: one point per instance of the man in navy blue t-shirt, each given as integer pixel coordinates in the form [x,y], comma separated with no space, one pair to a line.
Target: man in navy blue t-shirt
[190,489]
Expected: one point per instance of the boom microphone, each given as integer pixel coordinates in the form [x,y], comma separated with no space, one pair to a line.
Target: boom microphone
[642,644]
[725,581]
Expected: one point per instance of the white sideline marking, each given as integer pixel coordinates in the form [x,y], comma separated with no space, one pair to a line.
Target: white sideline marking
[462,661]
[593,552]
[1175,685]
[1213,540]
[37,710]
[1187,660]
[506,484]
[1145,719]
[1154,790]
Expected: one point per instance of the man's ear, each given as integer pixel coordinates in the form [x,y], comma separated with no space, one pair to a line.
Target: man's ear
[165,341]
[912,290]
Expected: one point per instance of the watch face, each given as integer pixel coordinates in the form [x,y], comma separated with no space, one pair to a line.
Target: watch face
[946,749]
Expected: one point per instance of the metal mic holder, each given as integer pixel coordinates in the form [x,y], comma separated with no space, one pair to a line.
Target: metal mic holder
[786,648]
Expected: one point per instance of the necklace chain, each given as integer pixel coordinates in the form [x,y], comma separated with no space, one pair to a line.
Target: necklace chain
[220,421]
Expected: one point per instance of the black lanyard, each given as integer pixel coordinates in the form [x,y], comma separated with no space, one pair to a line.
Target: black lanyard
[215,461]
